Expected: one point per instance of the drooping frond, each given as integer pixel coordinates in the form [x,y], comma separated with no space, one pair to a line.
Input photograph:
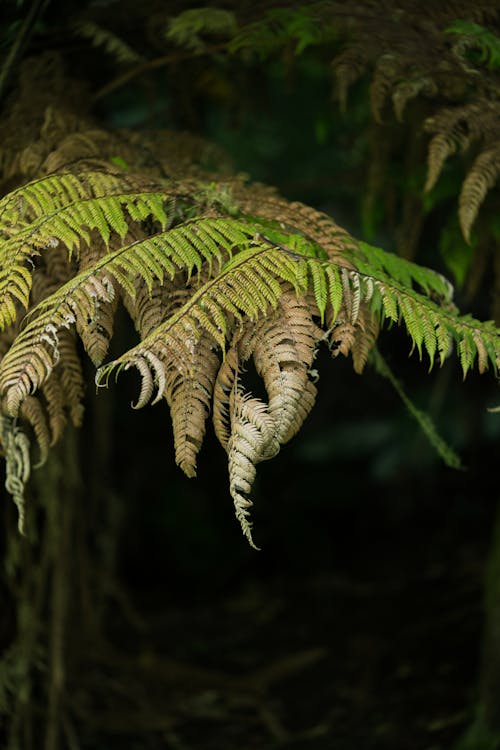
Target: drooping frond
[16,447]
[251,433]
[218,273]
[223,387]
[112,44]
[481,178]
[189,391]
[34,414]
[456,128]
[246,286]
[365,335]
[71,375]
[186,246]
[283,347]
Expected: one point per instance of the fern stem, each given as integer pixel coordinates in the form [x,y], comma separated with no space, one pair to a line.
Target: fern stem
[445,451]
[157,62]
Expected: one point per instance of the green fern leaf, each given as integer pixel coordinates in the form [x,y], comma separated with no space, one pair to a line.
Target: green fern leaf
[66,223]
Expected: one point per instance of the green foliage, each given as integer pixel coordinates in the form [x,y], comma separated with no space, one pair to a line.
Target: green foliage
[63,209]
[189,27]
[476,43]
[199,287]
[303,27]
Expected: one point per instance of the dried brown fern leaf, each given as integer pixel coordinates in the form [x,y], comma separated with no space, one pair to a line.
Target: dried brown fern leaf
[94,324]
[481,178]
[179,154]
[223,387]
[348,67]
[252,429]
[388,72]
[16,447]
[71,375]
[90,144]
[53,395]
[95,321]
[33,414]
[150,306]
[456,128]
[341,332]
[283,347]
[365,337]
[441,147]
[188,388]
[189,394]
[295,216]
[408,89]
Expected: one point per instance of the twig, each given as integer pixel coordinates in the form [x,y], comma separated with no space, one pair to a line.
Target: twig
[158,62]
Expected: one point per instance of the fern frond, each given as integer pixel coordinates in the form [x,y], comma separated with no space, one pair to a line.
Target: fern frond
[223,387]
[189,394]
[53,395]
[89,147]
[457,128]
[47,195]
[373,260]
[246,287]
[341,334]
[33,413]
[387,72]
[94,321]
[69,224]
[283,347]
[16,447]
[473,36]
[186,28]
[71,376]
[304,26]
[251,432]
[482,177]
[112,44]
[348,67]
[407,90]
[82,297]
[295,218]
[365,336]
